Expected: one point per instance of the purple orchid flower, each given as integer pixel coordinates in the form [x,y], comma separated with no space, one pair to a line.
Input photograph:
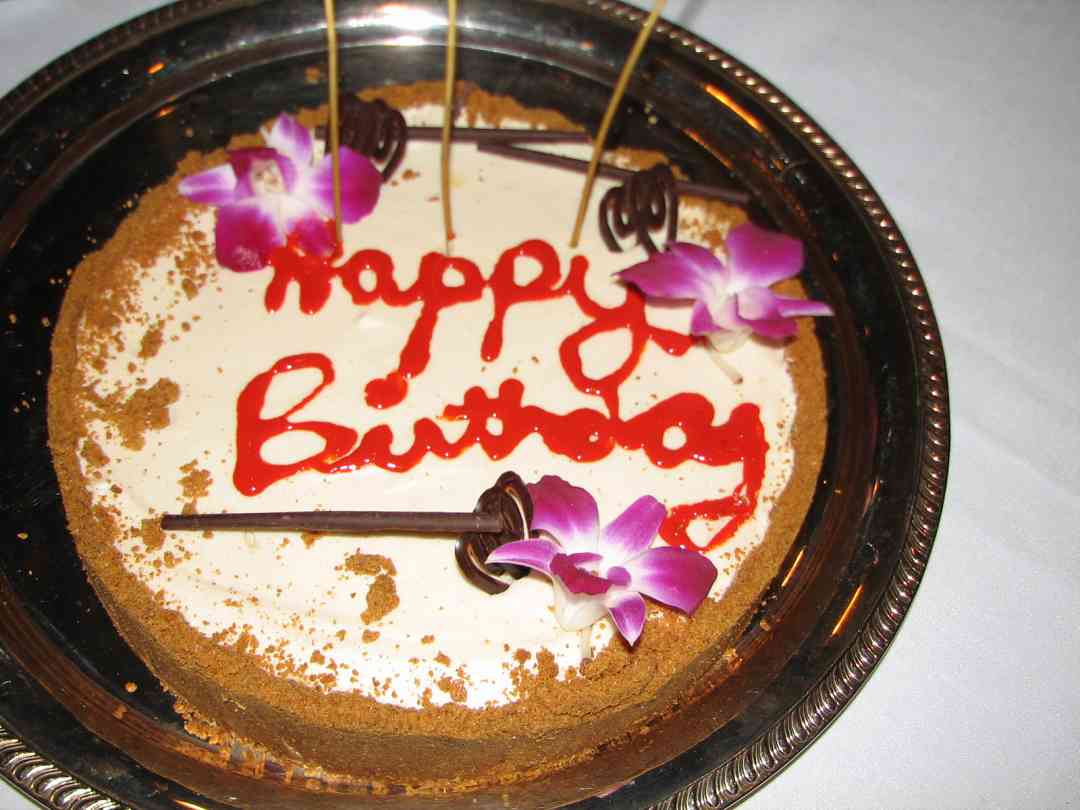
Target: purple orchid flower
[596,571]
[731,299]
[266,194]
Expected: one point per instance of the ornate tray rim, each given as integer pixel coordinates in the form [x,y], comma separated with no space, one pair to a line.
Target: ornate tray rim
[41,780]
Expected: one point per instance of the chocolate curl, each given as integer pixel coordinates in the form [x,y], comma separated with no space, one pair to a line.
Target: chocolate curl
[510,499]
[643,203]
[374,129]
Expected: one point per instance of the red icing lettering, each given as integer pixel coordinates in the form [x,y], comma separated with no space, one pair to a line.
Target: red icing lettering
[584,434]
[252,474]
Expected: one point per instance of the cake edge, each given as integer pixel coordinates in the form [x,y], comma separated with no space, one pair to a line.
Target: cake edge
[342,731]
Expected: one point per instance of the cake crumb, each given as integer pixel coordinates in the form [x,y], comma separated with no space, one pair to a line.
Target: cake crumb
[381,599]
[454,688]
[152,341]
[131,688]
[152,534]
[94,455]
[146,409]
[370,564]
[369,636]
[246,643]
[548,669]
[194,484]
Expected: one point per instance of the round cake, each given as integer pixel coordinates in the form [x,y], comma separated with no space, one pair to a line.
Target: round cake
[209,361]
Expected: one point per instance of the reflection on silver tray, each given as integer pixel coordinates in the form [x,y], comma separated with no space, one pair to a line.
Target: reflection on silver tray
[216,67]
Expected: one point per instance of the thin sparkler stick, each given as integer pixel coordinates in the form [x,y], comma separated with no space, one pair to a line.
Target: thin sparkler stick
[448,117]
[609,115]
[335,126]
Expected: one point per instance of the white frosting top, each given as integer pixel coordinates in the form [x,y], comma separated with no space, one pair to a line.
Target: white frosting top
[297,600]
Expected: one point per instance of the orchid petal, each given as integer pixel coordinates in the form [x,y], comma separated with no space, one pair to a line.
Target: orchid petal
[776,328]
[215,186]
[759,257]
[292,139]
[535,554]
[633,531]
[290,172]
[757,304]
[674,576]
[627,611]
[316,235]
[361,183]
[706,263]
[681,271]
[759,307]
[617,575]
[576,611]
[566,512]
[244,235]
[581,557]
[722,314]
[577,580]
[791,307]
[701,320]
[244,163]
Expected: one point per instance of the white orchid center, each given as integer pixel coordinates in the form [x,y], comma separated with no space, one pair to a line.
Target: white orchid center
[718,298]
[266,178]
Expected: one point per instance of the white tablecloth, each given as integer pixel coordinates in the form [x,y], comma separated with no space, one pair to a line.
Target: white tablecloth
[964,116]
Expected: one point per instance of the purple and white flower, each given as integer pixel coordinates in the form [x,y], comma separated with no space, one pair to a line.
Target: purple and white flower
[265,195]
[731,298]
[597,571]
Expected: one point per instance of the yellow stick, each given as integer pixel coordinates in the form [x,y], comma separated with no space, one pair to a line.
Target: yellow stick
[609,115]
[335,131]
[448,117]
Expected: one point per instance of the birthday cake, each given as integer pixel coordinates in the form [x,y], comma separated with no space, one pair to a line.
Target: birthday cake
[224,353]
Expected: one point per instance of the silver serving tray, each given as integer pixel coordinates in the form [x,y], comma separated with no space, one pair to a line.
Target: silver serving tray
[100,125]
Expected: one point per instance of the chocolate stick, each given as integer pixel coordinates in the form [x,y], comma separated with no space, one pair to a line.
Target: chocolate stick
[607,170]
[486,134]
[502,515]
[506,142]
[452,523]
